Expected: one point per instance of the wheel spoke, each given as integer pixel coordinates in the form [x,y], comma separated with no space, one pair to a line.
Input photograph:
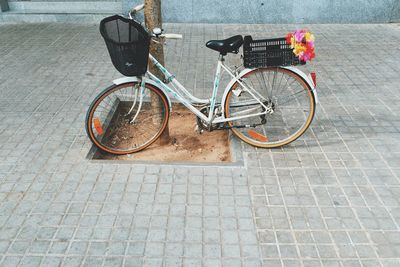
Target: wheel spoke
[290,102]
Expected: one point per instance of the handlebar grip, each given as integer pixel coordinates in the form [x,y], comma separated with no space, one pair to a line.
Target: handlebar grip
[172,36]
[138,8]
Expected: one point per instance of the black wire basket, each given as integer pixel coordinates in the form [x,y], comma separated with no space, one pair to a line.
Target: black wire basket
[268,53]
[127,43]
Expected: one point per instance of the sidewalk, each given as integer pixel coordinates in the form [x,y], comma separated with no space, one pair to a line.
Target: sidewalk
[332,198]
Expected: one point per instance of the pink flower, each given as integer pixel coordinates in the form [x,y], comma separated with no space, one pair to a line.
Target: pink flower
[299,35]
[302,43]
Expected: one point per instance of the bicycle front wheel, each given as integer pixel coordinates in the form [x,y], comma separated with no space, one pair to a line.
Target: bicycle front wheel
[127,118]
[288,104]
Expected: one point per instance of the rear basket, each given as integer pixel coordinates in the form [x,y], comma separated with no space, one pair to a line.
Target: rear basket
[268,53]
[128,44]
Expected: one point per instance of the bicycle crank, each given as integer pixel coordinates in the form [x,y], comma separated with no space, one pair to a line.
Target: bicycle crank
[203,125]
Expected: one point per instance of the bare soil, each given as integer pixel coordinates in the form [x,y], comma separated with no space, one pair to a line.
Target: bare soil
[186,144]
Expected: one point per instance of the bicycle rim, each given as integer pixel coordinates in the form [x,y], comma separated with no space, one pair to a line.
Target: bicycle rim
[125,119]
[285,93]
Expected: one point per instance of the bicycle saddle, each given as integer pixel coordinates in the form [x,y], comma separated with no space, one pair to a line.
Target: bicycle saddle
[230,45]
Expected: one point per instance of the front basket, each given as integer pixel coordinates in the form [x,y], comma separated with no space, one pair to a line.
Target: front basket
[127,43]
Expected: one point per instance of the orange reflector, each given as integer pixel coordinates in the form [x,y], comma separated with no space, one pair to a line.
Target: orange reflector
[314,78]
[258,136]
[97,126]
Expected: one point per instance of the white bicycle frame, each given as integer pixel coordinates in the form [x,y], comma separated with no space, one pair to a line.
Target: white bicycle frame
[187,99]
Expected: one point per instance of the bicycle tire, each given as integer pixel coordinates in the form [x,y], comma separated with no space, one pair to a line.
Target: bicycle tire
[263,140]
[96,137]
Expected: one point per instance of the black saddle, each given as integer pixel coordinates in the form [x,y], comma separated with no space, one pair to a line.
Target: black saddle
[230,45]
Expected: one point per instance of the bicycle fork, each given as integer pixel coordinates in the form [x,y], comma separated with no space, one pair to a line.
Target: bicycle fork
[141,93]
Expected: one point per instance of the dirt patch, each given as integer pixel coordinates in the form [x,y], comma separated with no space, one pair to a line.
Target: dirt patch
[185,144]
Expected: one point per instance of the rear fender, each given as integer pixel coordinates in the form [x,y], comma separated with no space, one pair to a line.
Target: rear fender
[307,79]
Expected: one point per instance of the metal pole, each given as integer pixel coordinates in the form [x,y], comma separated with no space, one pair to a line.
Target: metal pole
[4,5]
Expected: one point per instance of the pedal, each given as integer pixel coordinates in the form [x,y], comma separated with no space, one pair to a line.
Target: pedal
[198,130]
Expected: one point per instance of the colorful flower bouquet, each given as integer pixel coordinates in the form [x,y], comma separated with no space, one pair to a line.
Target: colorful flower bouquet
[302,43]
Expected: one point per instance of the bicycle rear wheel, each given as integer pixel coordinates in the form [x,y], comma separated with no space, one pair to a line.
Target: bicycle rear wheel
[126,118]
[289,101]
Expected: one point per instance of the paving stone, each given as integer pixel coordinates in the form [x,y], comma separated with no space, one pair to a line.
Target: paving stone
[31,261]
[329,199]
[11,261]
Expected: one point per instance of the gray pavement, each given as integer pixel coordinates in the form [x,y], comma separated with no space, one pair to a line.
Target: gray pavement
[332,198]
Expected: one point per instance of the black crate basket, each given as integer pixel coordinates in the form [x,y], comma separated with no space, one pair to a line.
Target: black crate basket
[268,53]
[128,44]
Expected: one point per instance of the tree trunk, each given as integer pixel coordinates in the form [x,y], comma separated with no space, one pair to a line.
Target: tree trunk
[4,6]
[152,18]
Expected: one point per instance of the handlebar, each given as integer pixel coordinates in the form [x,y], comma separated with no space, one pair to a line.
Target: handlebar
[172,36]
[138,8]
[135,10]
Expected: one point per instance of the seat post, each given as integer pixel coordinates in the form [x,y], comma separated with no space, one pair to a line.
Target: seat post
[216,84]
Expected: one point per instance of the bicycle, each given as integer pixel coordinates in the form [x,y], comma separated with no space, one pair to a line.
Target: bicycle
[268,102]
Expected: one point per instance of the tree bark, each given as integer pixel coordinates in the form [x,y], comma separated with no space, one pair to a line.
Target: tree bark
[152,18]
